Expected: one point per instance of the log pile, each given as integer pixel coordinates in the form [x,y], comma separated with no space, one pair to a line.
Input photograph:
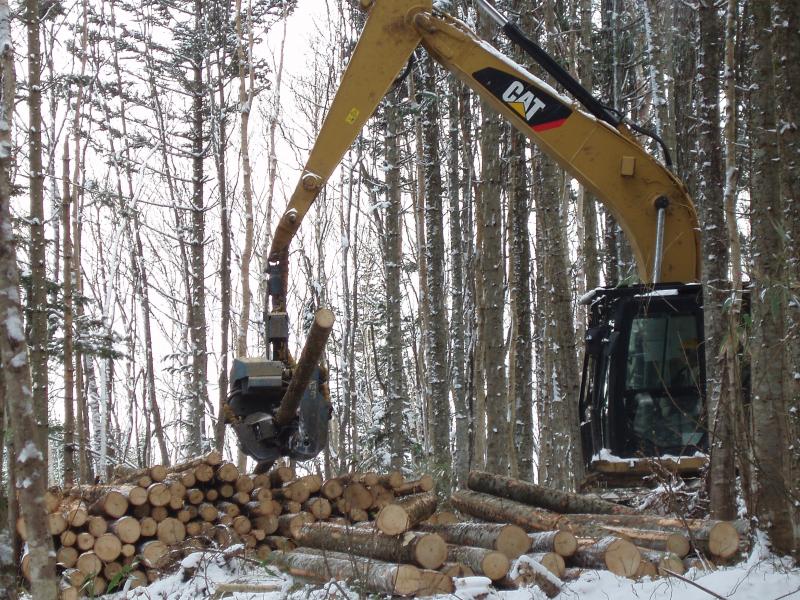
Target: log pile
[380,529]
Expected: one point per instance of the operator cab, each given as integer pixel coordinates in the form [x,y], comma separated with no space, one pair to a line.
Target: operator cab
[643,386]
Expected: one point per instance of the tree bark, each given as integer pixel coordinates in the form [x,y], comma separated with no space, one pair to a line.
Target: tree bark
[617,555]
[511,540]
[436,332]
[773,504]
[715,264]
[541,496]
[426,550]
[500,510]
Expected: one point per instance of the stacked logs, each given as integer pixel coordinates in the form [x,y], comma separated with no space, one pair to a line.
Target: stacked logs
[570,532]
[140,525]
[381,530]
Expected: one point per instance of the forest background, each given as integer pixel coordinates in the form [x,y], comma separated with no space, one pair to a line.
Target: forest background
[148,149]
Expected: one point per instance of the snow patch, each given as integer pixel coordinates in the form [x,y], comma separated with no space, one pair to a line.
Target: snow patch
[29,452]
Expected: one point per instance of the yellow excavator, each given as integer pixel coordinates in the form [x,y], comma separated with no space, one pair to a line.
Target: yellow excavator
[642,393]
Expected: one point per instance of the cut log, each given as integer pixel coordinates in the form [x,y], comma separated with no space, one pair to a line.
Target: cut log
[57,523]
[128,529]
[368,479]
[427,550]
[68,538]
[268,523]
[319,507]
[561,542]
[128,550]
[278,542]
[615,554]
[207,512]
[134,494]
[85,541]
[242,525]
[171,531]
[663,561]
[290,506]
[719,538]
[394,479]
[375,576]
[662,541]
[111,570]
[260,494]
[452,569]
[295,491]
[212,494]
[75,577]
[147,527]
[435,583]
[501,510]
[195,496]
[511,540]
[137,579]
[204,473]
[256,508]
[67,592]
[159,513]
[67,556]
[229,508]
[77,514]
[312,482]
[153,552]
[244,483]
[528,572]
[227,473]
[89,564]
[97,526]
[280,475]
[52,498]
[108,547]
[646,569]
[489,563]
[443,517]
[332,489]
[289,524]
[423,484]
[356,495]
[405,513]
[541,496]
[158,495]
[381,496]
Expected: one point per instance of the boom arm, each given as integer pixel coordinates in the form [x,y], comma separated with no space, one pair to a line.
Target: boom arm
[607,160]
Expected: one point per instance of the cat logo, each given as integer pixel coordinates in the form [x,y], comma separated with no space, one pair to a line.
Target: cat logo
[523,101]
[539,109]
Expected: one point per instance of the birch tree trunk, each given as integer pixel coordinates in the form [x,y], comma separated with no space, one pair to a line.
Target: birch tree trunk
[28,459]
[69,359]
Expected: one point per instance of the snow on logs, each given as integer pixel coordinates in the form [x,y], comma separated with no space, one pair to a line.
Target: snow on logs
[383,529]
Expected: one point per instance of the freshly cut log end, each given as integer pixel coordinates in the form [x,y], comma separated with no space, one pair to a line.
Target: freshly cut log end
[108,547]
[511,540]
[153,552]
[723,540]
[357,496]
[66,557]
[158,495]
[435,582]
[227,473]
[551,561]
[332,489]
[561,542]
[171,531]
[501,510]
[289,525]
[89,564]
[57,523]
[492,564]
[617,555]
[452,569]
[376,576]
[129,530]
[393,520]
[443,517]
[405,513]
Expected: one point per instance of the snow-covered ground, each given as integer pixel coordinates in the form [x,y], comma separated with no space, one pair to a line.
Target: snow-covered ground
[761,577]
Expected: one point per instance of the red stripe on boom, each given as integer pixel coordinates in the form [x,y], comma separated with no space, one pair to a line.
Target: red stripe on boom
[549,125]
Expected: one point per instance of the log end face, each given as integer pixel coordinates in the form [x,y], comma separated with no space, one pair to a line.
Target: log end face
[622,558]
[431,551]
[723,540]
[393,520]
[513,541]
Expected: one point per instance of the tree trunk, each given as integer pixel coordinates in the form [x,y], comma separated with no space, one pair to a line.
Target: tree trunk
[37,301]
[544,497]
[198,393]
[500,510]
[403,514]
[69,362]
[426,550]
[492,564]
[617,555]
[511,540]
[773,504]
[715,264]
[436,333]
[24,421]
[376,576]
[786,20]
